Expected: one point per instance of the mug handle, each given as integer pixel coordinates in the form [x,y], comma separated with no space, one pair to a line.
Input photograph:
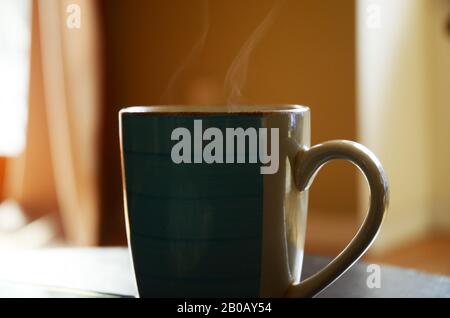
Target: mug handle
[307,163]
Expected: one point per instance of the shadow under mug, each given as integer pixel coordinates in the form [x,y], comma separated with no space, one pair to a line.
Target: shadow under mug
[227,230]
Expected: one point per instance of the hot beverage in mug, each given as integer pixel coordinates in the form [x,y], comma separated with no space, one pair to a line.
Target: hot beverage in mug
[216,200]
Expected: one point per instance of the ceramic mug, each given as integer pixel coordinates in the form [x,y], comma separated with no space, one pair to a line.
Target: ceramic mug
[216,200]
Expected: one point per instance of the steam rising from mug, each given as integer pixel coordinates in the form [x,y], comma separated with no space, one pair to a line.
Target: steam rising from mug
[195,51]
[237,73]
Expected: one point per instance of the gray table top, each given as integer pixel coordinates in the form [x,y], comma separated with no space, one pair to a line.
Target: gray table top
[108,270]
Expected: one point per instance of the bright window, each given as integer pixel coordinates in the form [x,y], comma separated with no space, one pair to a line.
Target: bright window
[15,18]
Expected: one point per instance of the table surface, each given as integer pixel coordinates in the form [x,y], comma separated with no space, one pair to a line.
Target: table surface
[108,270]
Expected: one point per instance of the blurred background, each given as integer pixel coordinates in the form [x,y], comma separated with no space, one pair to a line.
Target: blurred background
[374,71]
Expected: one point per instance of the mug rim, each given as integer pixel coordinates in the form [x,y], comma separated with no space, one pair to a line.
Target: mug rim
[213,109]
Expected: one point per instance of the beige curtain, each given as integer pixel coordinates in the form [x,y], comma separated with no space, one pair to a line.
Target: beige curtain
[59,168]
[70,60]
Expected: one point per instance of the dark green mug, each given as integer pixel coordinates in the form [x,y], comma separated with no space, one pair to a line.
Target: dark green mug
[216,200]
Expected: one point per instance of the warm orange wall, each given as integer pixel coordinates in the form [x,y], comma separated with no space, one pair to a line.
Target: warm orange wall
[2,177]
[307,57]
